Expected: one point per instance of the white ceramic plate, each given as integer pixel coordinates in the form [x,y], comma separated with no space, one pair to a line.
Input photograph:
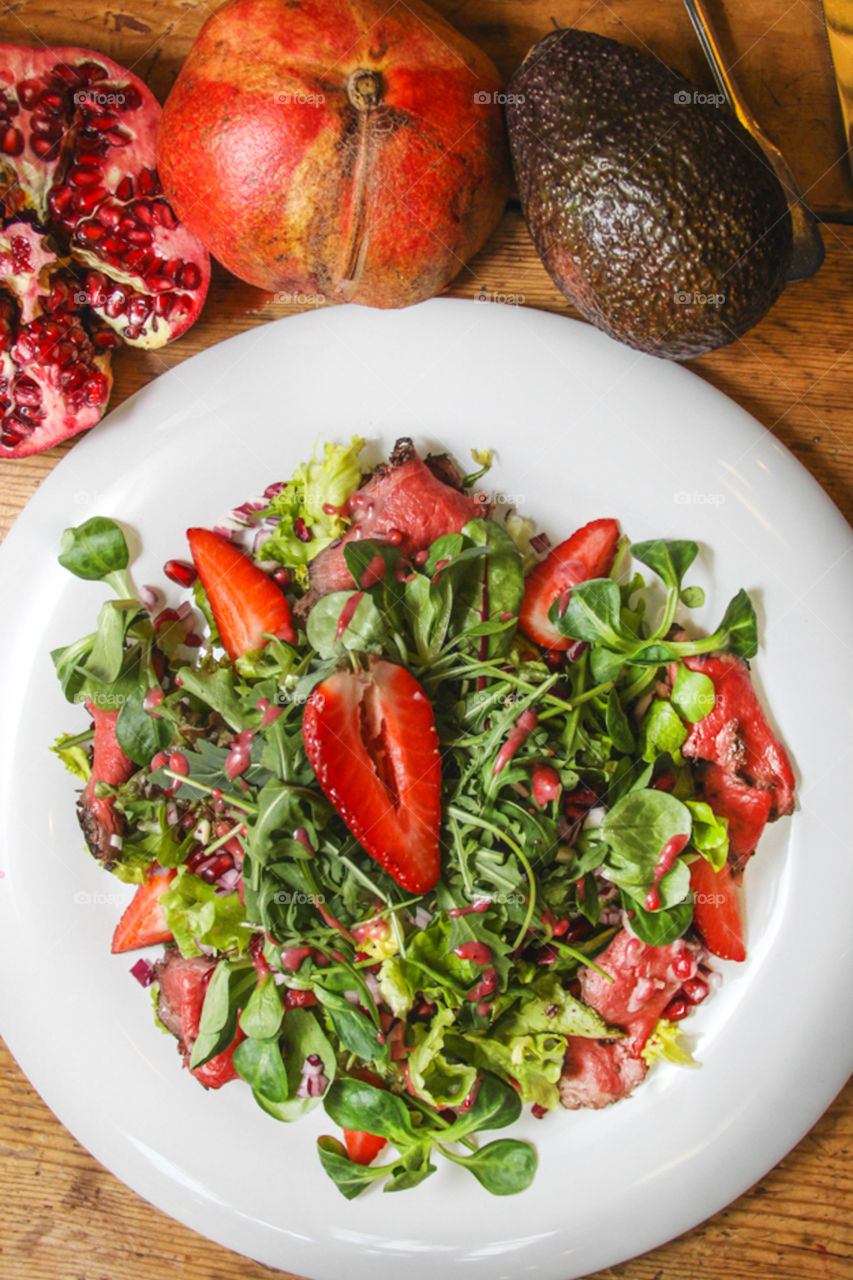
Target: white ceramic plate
[582,428]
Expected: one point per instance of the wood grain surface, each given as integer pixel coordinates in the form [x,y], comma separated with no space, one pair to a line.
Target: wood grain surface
[65,1217]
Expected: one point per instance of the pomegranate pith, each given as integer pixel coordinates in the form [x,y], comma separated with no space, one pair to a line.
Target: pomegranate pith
[91,254]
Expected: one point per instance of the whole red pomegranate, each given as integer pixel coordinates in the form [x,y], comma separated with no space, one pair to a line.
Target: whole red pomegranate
[345,148]
[91,253]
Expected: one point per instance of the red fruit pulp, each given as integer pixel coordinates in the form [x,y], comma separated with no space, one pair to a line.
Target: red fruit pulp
[91,253]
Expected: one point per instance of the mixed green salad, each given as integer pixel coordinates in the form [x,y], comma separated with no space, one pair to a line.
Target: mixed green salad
[298,956]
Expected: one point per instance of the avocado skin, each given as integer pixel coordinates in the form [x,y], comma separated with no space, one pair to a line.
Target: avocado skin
[643,208]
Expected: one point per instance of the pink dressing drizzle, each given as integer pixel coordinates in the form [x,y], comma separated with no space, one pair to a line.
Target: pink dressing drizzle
[668,854]
[481,904]
[348,611]
[476,952]
[519,733]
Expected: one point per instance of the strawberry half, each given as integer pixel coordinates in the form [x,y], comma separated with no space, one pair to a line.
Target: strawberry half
[588,553]
[143,922]
[715,910]
[245,603]
[370,736]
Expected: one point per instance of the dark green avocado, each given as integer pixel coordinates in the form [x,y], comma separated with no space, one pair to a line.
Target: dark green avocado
[652,208]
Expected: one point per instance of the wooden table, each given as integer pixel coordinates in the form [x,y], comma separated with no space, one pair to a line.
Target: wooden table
[66,1218]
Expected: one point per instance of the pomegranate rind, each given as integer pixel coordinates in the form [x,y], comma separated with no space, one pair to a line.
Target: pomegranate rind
[264,155]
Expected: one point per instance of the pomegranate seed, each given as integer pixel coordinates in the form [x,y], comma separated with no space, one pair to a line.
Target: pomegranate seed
[172,267]
[101,123]
[96,289]
[71,379]
[189,276]
[281,576]
[163,214]
[131,332]
[96,389]
[106,339]
[124,190]
[84,175]
[149,183]
[301,530]
[90,232]
[126,224]
[109,216]
[25,349]
[139,236]
[115,303]
[29,92]
[134,258]
[27,392]
[91,71]
[46,127]
[138,309]
[117,138]
[114,245]
[31,413]
[159,284]
[142,213]
[682,965]
[12,142]
[163,304]
[180,571]
[676,1010]
[129,99]
[14,432]
[89,198]
[44,148]
[695,990]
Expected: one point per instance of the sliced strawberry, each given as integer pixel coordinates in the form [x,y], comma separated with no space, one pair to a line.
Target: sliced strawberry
[588,553]
[219,1070]
[100,823]
[143,922]
[746,807]
[736,736]
[362,1148]
[370,736]
[715,910]
[246,604]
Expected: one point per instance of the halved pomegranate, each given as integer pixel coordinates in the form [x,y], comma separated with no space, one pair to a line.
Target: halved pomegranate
[91,253]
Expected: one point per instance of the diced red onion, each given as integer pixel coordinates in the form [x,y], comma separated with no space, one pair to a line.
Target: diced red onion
[150,597]
[313,1082]
[273,490]
[143,972]
[422,917]
[372,983]
[229,880]
[540,542]
[354,997]
[172,814]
